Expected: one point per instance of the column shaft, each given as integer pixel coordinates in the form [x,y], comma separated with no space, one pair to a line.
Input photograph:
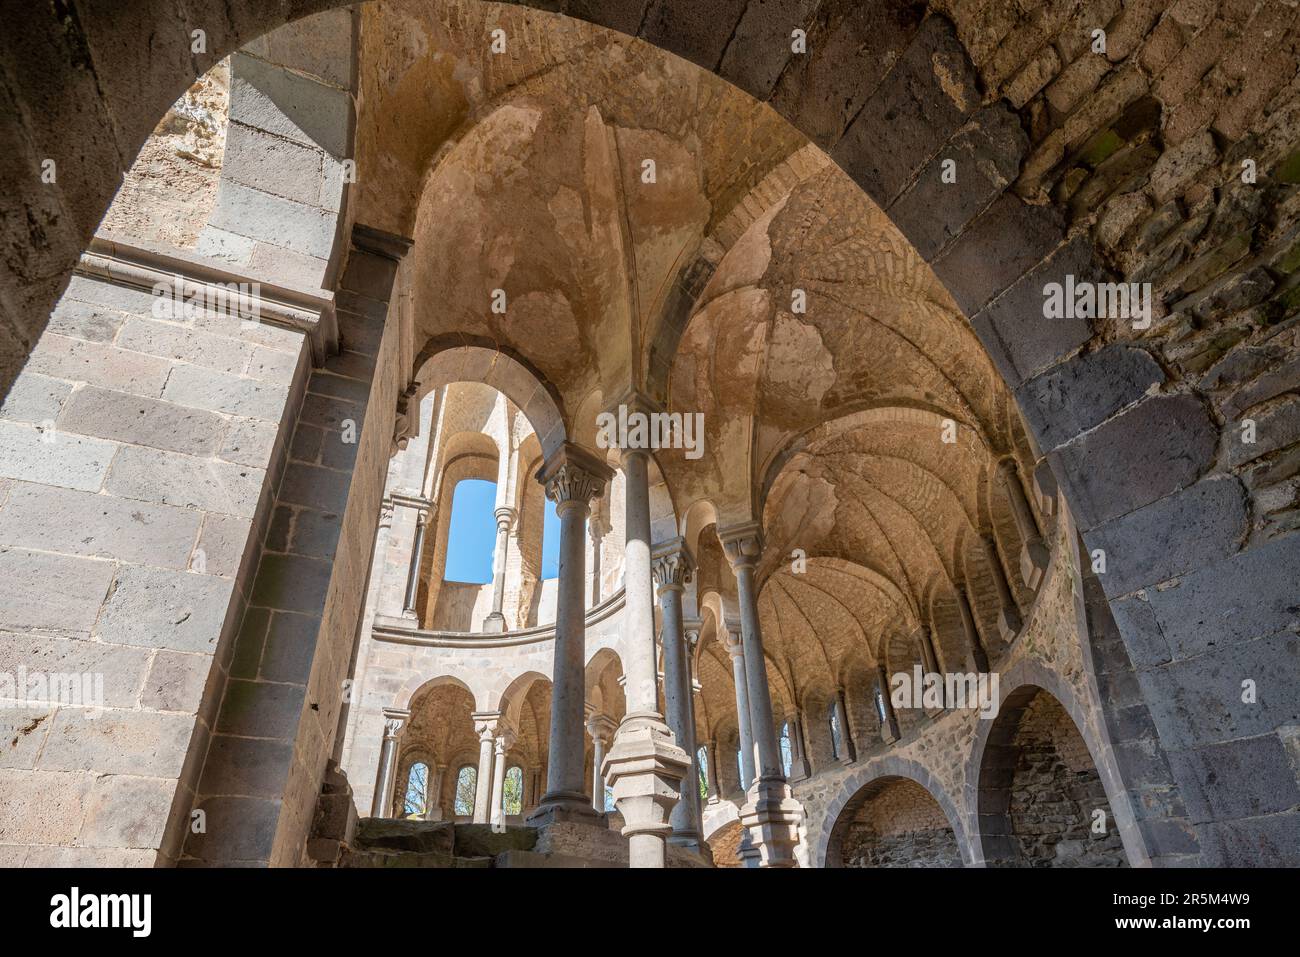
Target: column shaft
[760,698]
[971,632]
[737,652]
[483,782]
[677,692]
[413,570]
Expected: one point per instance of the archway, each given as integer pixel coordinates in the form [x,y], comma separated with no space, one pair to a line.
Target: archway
[1040,801]
[894,822]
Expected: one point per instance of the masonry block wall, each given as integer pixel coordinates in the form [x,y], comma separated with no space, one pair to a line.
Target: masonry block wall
[136,453]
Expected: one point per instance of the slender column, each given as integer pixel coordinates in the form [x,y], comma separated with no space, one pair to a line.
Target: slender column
[848,753]
[485,723]
[597,528]
[496,620]
[971,632]
[433,800]
[601,728]
[771,816]
[1009,620]
[925,646]
[417,555]
[382,803]
[672,570]
[711,771]
[646,765]
[503,741]
[887,704]
[1034,555]
[691,744]
[572,477]
[736,649]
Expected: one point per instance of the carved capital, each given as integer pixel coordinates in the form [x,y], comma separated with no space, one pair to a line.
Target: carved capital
[394,721]
[672,564]
[572,474]
[742,544]
[601,727]
[505,517]
[487,724]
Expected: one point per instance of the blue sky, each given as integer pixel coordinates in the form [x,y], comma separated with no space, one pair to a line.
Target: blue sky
[473,534]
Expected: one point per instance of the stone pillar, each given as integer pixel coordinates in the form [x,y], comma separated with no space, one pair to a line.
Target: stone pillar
[799,768]
[433,800]
[502,746]
[1034,555]
[646,766]
[496,621]
[485,723]
[736,649]
[385,777]
[597,529]
[887,705]
[770,816]
[711,771]
[925,647]
[672,570]
[691,632]
[848,753]
[601,728]
[572,477]
[978,654]
[417,556]
[1009,620]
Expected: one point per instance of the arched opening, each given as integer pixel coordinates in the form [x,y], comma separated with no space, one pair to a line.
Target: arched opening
[471,536]
[416,799]
[1041,802]
[893,822]
[466,786]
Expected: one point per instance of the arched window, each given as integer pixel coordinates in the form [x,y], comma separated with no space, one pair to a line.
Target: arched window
[466,781]
[609,799]
[550,542]
[787,758]
[417,790]
[513,802]
[471,537]
[881,713]
[837,742]
[702,762]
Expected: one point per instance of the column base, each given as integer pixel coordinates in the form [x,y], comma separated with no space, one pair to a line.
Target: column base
[645,768]
[494,623]
[565,807]
[771,818]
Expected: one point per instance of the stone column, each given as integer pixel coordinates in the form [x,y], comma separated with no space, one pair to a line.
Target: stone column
[848,753]
[433,800]
[601,728]
[1009,620]
[887,704]
[417,556]
[597,529]
[925,646]
[1034,555]
[711,771]
[736,649]
[502,745]
[646,766]
[382,803]
[770,816]
[485,723]
[672,570]
[970,631]
[572,477]
[691,632]
[496,621]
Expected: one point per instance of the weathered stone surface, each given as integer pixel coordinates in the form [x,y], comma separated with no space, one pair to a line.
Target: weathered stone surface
[53,457]
[53,594]
[156,608]
[1152,450]
[142,421]
[117,742]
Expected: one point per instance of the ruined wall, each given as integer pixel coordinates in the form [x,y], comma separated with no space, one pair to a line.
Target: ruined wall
[1055,791]
[901,826]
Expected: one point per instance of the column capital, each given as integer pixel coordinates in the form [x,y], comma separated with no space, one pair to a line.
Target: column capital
[505,739]
[505,516]
[671,564]
[572,474]
[487,724]
[601,727]
[731,639]
[1008,466]
[394,720]
[742,544]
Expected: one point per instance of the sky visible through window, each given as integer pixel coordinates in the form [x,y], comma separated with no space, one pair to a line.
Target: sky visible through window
[472,535]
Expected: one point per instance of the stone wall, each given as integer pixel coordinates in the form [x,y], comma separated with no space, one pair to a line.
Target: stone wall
[900,826]
[1055,792]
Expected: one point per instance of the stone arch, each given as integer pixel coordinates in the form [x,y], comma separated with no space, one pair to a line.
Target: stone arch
[842,806]
[417,687]
[509,700]
[993,768]
[465,359]
[992,250]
